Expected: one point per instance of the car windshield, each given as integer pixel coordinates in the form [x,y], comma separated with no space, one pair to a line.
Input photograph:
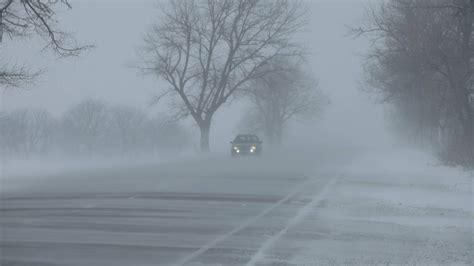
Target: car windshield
[246,138]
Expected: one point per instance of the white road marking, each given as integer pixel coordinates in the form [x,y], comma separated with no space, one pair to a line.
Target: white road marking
[260,255]
[189,258]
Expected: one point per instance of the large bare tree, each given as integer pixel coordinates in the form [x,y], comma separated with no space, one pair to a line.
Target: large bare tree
[206,50]
[24,18]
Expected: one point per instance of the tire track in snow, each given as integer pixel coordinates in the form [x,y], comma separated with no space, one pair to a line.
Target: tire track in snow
[297,190]
[303,212]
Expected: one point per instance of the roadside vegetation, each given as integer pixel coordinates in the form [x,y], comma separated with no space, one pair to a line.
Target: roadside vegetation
[89,128]
[420,64]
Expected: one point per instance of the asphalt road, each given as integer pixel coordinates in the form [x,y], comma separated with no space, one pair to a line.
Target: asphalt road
[216,212]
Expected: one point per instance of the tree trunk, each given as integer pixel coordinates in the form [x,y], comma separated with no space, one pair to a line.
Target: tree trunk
[205,127]
[465,90]
[1,26]
[278,135]
[269,132]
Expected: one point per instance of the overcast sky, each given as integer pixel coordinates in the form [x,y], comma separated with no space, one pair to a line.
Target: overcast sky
[117,28]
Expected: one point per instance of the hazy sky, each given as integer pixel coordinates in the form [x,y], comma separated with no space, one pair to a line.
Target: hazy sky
[117,28]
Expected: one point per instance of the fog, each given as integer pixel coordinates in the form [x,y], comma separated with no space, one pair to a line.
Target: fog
[94,172]
[334,58]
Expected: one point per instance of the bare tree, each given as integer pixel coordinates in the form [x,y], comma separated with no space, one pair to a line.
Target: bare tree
[83,126]
[126,128]
[16,77]
[421,61]
[26,131]
[206,50]
[41,126]
[23,18]
[166,137]
[285,93]
[13,132]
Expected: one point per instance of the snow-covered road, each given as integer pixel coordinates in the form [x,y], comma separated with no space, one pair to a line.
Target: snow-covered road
[331,210]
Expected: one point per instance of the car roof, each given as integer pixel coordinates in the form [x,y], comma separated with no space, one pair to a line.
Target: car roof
[247,135]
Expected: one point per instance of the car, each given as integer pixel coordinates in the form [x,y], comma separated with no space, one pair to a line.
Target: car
[246,144]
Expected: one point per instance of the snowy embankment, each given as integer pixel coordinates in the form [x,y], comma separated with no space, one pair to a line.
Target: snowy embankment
[392,208]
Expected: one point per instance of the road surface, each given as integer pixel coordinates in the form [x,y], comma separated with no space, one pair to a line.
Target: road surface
[329,210]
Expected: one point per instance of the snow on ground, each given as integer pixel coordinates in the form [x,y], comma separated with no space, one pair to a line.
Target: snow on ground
[50,164]
[389,209]
[330,207]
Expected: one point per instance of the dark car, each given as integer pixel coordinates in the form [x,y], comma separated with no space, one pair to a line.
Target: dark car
[247,144]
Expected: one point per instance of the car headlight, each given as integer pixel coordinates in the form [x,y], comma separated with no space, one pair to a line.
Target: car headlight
[236,148]
[253,148]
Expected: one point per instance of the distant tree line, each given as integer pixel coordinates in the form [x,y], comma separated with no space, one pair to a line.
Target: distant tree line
[89,128]
[421,62]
